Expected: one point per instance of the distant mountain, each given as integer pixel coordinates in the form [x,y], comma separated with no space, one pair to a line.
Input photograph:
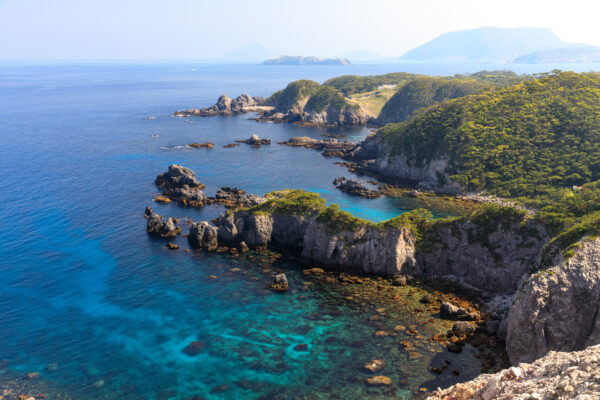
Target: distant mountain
[364,55]
[300,60]
[563,55]
[486,44]
[249,53]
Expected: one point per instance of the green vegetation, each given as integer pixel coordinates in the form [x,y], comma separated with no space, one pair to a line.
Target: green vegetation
[294,92]
[353,84]
[537,142]
[424,92]
[524,140]
[291,202]
[326,96]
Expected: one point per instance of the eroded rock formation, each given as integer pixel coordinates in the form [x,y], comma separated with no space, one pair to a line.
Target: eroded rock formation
[225,106]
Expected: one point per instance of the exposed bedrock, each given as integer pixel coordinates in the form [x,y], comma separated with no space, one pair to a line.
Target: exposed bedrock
[374,155]
[225,106]
[557,309]
[162,227]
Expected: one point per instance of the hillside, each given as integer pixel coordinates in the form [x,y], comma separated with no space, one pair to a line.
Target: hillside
[485,44]
[354,84]
[586,54]
[528,139]
[300,60]
[307,102]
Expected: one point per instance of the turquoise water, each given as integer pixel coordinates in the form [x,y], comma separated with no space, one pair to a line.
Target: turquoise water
[83,286]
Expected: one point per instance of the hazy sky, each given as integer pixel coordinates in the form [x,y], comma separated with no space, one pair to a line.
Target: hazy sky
[198,29]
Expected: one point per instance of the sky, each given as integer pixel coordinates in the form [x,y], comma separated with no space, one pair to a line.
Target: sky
[200,29]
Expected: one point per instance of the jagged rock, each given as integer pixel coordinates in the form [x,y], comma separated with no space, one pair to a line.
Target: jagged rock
[172,246]
[148,211]
[162,199]
[180,184]
[163,227]
[225,106]
[234,197]
[244,247]
[255,141]
[555,376]
[176,177]
[557,309]
[356,188]
[375,365]
[203,235]
[280,283]
[323,144]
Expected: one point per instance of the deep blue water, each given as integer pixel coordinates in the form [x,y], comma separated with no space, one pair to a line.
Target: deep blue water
[82,285]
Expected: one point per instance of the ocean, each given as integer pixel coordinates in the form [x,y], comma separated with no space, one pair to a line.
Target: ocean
[85,290]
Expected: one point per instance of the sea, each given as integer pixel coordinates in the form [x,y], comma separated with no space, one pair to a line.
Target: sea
[103,311]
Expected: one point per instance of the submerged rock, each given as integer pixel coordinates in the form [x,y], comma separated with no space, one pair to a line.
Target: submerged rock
[194,348]
[375,365]
[163,227]
[379,380]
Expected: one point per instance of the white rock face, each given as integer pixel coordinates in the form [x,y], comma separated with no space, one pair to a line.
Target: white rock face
[556,376]
[557,309]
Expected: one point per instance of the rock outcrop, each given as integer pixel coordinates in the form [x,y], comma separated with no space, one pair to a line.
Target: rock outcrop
[163,227]
[557,308]
[557,375]
[357,188]
[255,141]
[203,235]
[330,116]
[319,144]
[225,106]
[376,156]
[180,184]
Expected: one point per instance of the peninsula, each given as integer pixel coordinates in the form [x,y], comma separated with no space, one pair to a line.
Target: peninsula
[301,60]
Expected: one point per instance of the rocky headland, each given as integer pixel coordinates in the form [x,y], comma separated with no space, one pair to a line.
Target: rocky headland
[226,106]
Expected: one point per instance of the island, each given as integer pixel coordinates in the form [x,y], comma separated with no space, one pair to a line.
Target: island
[301,60]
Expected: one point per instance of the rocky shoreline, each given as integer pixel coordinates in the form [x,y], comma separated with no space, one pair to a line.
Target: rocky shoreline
[491,251]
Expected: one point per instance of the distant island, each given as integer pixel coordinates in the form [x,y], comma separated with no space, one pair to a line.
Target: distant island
[583,54]
[301,60]
[488,44]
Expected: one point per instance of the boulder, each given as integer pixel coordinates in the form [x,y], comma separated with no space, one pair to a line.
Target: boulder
[280,283]
[463,328]
[163,227]
[451,311]
[203,235]
[176,177]
[255,141]
[357,188]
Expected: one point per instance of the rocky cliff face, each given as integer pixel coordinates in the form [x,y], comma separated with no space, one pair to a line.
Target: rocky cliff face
[366,249]
[330,116]
[557,309]
[490,257]
[375,154]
